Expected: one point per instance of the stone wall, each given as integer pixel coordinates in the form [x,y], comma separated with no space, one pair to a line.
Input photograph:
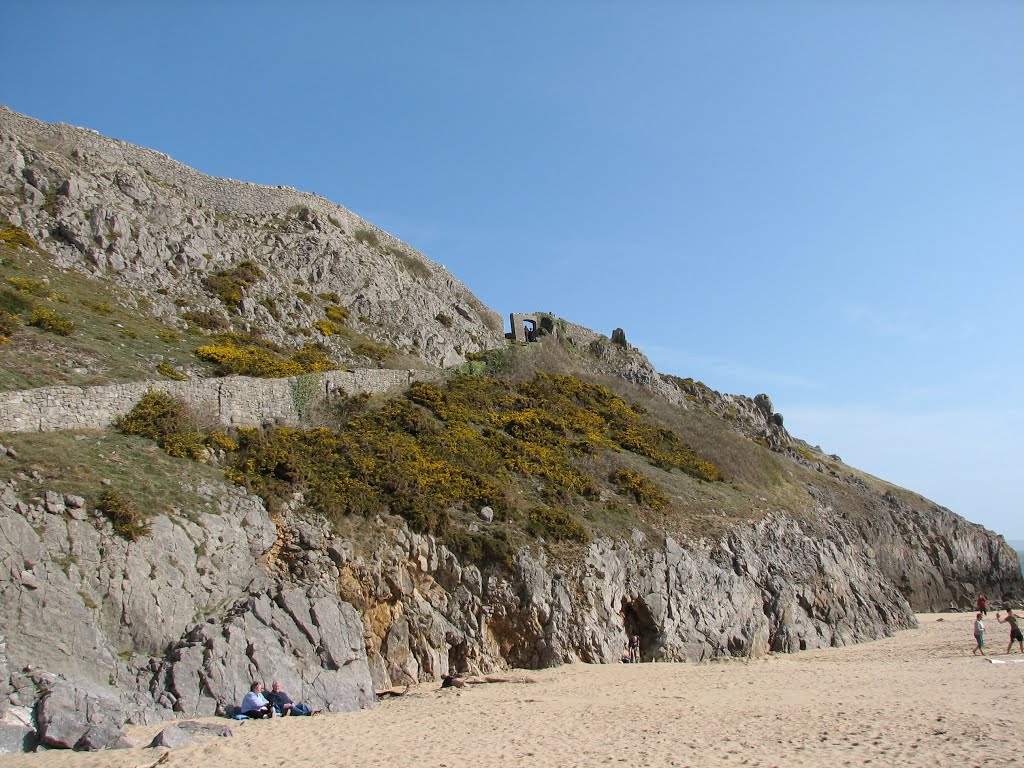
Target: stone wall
[237,401]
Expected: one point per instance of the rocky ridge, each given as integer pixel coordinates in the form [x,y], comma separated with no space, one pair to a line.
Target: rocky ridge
[161,229]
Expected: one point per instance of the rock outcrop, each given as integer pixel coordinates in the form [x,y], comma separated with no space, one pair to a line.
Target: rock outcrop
[151,224]
[207,603]
[78,715]
[186,617]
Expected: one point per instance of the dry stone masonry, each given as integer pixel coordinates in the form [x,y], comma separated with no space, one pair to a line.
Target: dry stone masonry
[236,401]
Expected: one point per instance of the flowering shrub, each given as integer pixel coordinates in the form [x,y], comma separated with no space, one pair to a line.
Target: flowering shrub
[555,524]
[444,451]
[237,356]
[8,325]
[17,237]
[127,521]
[230,285]
[164,418]
[168,371]
[641,488]
[27,285]
[327,328]
[49,320]
[155,416]
[336,314]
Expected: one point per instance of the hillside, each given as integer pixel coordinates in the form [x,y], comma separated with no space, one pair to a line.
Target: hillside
[508,504]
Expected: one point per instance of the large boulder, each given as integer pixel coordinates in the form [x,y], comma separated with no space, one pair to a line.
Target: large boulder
[17,730]
[79,715]
[173,737]
[310,641]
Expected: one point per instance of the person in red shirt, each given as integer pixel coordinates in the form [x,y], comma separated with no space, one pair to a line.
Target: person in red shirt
[983,605]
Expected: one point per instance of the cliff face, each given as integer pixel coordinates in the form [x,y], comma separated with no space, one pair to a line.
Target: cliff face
[184,618]
[224,589]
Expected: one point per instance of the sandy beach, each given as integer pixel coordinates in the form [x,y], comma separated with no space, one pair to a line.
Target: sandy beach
[917,699]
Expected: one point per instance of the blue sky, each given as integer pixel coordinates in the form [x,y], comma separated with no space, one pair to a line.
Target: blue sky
[823,201]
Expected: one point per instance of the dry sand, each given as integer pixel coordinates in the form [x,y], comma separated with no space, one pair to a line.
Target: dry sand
[917,699]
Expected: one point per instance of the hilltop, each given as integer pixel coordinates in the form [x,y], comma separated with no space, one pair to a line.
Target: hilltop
[397,490]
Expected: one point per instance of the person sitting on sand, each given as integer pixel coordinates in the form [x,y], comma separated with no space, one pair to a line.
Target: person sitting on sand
[1015,633]
[451,681]
[284,705]
[255,705]
[392,691]
[979,636]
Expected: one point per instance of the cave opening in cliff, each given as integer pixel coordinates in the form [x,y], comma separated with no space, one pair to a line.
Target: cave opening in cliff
[637,620]
[458,659]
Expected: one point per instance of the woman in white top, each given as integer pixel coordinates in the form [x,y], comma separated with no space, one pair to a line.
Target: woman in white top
[979,636]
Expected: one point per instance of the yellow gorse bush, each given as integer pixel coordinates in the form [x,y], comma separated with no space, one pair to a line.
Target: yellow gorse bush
[48,320]
[234,356]
[18,237]
[449,448]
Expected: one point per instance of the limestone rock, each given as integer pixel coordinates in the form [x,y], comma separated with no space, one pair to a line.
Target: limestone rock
[155,224]
[78,715]
[17,730]
[207,603]
[205,729]
[313,646]
[173,737]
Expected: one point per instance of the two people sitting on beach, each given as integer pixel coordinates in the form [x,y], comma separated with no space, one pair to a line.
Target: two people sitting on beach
[275,704]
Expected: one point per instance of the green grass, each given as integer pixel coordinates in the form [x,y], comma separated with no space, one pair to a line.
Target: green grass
[75,463]
[114,338]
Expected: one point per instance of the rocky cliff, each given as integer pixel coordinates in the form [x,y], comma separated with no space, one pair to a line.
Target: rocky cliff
[785,549]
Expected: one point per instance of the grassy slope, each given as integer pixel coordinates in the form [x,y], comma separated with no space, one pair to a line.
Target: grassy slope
[115,339]
[77,463]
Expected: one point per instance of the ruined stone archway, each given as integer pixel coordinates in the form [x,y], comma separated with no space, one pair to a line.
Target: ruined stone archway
[524,327]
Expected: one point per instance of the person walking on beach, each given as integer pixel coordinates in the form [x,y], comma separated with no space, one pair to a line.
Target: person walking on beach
[1011,619]
[979,636]
[983,605]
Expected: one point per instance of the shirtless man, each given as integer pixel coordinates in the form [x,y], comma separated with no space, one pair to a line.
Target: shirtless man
[1015,634]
